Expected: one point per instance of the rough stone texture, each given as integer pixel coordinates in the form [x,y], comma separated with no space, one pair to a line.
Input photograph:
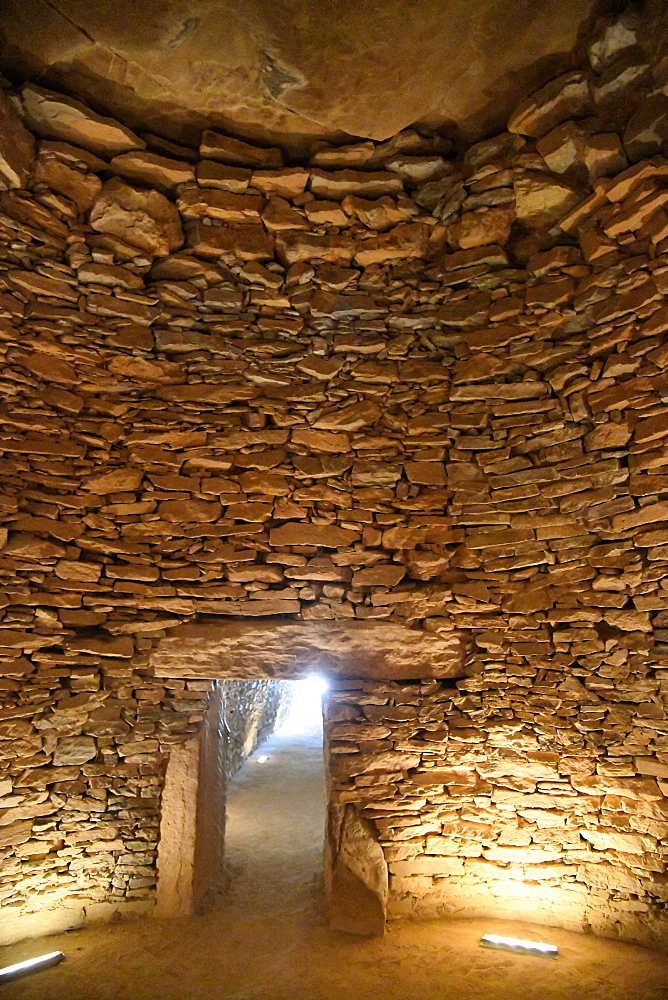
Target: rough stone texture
[17,147]
[152,169]
[358,880]
[73,185]
[566,97]
[292,649]
[284,72]
[334,431]
[144,219]
[181,794]
[233,152]
[58,117]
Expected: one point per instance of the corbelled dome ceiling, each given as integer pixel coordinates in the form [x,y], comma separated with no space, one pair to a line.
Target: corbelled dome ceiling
[296,70]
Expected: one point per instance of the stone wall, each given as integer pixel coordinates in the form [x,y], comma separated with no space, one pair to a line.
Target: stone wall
[390,385]
[251,712]
[485,805]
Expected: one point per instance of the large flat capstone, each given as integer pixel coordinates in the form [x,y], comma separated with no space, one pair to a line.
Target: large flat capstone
[293,649]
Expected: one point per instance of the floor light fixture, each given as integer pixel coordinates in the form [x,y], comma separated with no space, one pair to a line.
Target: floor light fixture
[518,946]
[30,965]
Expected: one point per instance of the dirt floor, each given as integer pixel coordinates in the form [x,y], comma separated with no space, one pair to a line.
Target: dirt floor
[267,938]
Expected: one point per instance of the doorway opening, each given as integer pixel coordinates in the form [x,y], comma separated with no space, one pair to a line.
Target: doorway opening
[245,798]
[275,823]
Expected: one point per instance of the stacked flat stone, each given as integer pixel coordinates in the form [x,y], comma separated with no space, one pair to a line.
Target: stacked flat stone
[390,384]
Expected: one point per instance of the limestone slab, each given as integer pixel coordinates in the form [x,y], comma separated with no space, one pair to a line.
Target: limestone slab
[295,649]
[60,117]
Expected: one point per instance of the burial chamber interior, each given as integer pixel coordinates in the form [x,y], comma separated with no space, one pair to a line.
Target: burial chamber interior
[279,396]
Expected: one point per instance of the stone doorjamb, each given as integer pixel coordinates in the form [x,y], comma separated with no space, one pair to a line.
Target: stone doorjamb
[192,818]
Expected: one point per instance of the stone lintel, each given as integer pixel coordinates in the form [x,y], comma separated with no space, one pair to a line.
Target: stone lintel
[292,649]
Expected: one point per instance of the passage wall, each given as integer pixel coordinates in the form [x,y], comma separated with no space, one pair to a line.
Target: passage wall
[251,711]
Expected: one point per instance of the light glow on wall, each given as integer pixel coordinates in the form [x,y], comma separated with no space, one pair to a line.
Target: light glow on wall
[30,965]
[518,946]
[305,711]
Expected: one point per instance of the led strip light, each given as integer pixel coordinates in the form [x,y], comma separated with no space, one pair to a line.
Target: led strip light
[30,965]
[518,946]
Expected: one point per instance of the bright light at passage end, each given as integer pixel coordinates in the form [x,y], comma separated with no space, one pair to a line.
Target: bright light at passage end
[305,711]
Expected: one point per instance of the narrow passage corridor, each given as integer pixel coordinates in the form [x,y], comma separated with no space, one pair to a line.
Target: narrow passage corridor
[273,854]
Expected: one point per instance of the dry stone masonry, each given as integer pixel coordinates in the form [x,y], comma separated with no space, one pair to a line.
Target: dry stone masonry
[481,808]
[397,385]
[251,712]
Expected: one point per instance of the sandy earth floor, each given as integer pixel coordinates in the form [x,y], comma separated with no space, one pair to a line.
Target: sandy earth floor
[267,939]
